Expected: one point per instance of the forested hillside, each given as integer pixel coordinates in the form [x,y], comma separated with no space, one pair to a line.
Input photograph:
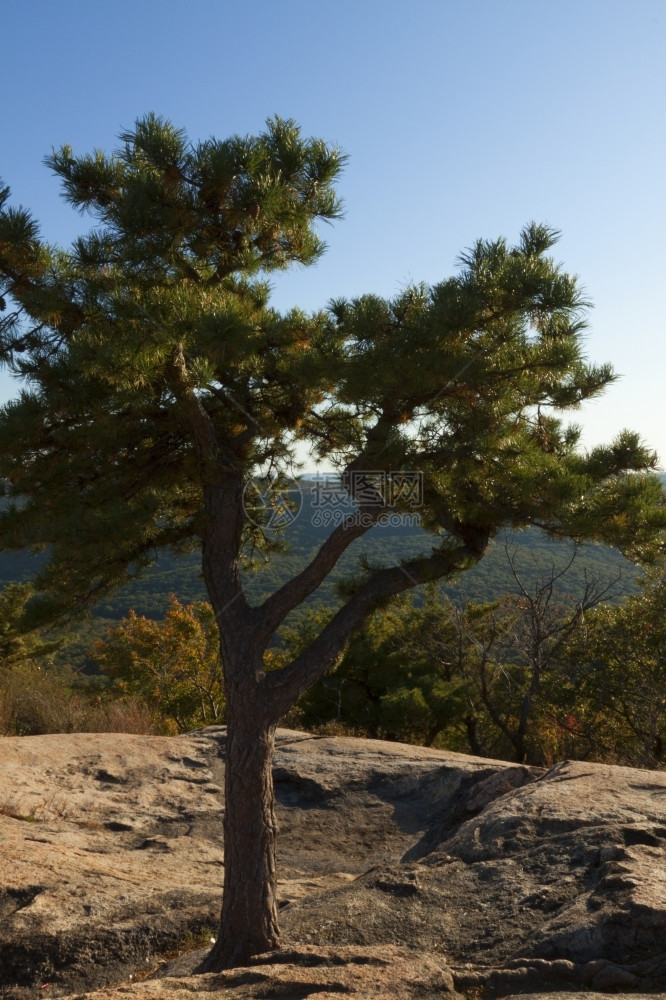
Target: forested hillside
[382,545]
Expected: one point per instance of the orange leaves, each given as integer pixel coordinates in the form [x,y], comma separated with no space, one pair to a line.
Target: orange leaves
[173,665]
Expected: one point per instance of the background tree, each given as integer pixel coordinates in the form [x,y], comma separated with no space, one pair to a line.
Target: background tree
[158,381]
[400,678]
[40,695]
[173,666]
[493,678]
[518,678]
[616,676]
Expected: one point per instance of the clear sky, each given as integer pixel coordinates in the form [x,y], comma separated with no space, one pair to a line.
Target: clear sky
[461,119]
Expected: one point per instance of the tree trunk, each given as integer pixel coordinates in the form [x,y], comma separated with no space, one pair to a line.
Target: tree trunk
[248,924]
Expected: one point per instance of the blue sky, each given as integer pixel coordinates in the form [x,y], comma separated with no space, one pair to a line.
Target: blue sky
[461,119]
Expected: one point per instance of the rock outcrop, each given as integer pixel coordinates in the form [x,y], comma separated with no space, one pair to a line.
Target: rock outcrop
[404,871]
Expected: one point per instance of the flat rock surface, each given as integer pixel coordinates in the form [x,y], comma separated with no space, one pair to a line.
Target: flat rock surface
[386,973]
[459,873]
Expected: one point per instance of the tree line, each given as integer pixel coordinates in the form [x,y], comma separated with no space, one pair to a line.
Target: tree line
[552,669]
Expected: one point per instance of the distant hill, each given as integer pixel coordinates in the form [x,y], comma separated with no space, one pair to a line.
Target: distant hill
[382,545]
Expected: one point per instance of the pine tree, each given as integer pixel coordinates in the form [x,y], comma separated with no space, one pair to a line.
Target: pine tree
[158,381]
[16,646]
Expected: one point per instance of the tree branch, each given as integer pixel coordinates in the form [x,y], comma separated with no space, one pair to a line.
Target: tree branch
[222,481]
[286,685]
[275,608]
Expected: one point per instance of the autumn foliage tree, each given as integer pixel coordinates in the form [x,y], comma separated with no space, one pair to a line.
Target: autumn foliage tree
[174,666]
[158,381]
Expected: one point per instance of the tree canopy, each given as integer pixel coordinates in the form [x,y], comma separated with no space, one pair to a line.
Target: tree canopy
[180,230]
[158,381]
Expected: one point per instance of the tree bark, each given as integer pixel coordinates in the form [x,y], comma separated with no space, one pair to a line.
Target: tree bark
[248,924]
